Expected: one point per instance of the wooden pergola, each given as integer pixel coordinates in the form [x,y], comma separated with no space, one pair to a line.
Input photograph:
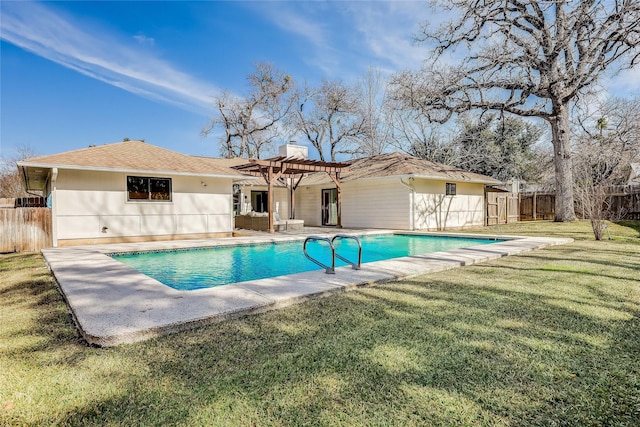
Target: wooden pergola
[277,168]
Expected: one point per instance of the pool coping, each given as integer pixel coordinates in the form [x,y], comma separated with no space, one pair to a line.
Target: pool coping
[113,304]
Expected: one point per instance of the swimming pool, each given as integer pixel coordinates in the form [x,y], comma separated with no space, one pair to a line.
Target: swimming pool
[211,267]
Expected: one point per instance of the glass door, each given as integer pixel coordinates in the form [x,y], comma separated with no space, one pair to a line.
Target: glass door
[330,207]
[259,201]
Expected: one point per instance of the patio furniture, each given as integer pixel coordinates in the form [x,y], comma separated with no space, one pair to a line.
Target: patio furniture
[259,221]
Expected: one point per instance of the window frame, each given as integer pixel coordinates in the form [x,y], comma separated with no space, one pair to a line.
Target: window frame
[149,189]
[450,189]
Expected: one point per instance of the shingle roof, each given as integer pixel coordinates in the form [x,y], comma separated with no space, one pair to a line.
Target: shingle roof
[398,164]
[133,156]
[141,156]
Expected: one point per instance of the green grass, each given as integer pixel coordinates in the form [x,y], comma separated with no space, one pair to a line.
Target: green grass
[548,338]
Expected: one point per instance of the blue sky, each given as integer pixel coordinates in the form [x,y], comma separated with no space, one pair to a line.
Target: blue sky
[80,73]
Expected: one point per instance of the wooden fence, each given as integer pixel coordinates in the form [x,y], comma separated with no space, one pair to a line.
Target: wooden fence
[502,208]
[627,204]
[541,206]
[25,229]
[537,206]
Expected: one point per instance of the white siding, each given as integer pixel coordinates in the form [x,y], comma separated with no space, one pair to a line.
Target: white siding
[386,203]
[309,204]
[436,211]
[381,203]
[89,201]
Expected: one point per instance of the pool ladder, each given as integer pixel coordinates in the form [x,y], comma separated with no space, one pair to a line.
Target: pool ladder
[332,269]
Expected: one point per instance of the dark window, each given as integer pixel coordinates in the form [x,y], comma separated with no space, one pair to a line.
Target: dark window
[259,201]
[147,188]
[451,189]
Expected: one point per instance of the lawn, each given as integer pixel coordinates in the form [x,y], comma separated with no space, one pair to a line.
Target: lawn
[547,338]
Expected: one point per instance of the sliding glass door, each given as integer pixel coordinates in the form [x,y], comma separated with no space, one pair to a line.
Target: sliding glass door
[330,207]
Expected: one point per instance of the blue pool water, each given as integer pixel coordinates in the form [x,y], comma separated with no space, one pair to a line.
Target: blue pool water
[210,267]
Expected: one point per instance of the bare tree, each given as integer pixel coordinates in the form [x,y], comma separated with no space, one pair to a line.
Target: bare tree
[11,183]
[412,133]
[248,122]
[615,123]
[330,117]
[375,138]
[526,57]
[595,168]
[607,141]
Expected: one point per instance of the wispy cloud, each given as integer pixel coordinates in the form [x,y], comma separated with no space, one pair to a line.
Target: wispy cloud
[144,40]
[293,22]
[625,83]
[387,31]
[345,38]
[107,57]
[308,22]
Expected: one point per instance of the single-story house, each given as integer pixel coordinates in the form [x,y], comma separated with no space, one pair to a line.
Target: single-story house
[134,191]
[398,191]
[393,190]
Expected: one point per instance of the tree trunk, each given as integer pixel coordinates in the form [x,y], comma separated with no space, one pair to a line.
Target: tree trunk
[562,163]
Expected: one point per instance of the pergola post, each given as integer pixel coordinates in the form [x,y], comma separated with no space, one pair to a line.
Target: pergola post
[270,199]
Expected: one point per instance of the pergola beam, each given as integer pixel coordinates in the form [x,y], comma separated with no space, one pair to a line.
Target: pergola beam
[275,168]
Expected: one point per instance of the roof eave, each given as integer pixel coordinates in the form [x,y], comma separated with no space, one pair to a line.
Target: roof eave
[450,178]
[127,170]
[488,181]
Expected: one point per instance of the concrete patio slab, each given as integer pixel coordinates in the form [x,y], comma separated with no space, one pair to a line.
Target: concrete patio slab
[114,304]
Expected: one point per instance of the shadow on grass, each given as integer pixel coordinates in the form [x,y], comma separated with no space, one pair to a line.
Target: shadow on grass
[30,286]
[578,230]
[633,225]
[415,352]
[490,344]
[594,258]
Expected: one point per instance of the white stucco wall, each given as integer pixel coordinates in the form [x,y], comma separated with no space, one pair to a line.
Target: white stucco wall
[88,201]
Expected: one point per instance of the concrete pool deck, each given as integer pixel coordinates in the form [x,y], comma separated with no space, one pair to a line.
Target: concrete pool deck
[114,304]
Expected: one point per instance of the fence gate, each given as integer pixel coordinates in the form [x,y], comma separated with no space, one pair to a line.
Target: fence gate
[502,208]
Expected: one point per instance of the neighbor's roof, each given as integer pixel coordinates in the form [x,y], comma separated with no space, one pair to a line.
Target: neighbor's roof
[133,156]
[400,165]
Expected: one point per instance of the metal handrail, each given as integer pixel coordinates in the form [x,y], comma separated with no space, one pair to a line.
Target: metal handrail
[328,270]
[347,236]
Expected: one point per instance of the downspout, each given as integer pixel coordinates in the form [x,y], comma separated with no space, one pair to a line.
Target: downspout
[54,207]
[412,202]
